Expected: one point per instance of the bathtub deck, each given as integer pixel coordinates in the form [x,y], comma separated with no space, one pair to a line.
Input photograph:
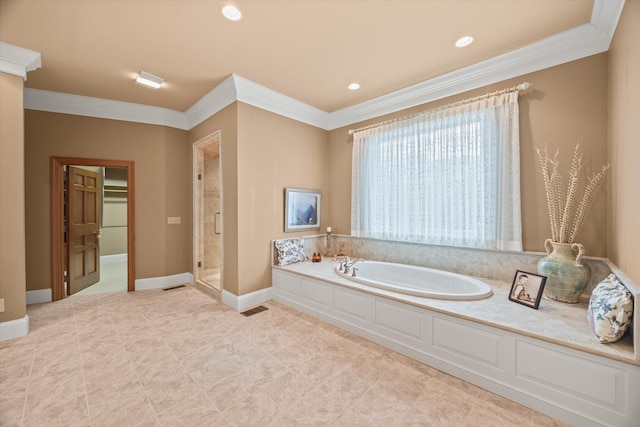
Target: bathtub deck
[546,359]
[554,322]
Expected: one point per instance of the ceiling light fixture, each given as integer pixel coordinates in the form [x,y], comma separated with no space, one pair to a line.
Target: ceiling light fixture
[148,79]
[354,86]
[232,13]
[464,41]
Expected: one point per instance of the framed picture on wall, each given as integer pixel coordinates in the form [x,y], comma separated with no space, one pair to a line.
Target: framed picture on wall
[527,288]
[301,209]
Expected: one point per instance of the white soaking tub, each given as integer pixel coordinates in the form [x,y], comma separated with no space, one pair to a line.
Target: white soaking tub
[418,281]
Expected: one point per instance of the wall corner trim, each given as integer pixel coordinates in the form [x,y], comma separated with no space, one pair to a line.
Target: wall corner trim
[220,97]
[18,60]
[14,328]
[243,302]
[268,99]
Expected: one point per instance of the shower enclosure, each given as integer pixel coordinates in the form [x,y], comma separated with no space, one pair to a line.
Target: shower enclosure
[207,212]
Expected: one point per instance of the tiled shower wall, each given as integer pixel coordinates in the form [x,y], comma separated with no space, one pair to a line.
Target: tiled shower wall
[211,204]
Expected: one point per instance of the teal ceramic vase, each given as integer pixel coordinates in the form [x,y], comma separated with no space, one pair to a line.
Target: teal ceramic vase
[567,274]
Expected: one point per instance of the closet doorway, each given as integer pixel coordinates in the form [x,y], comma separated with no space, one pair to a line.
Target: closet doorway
[207,212]
[85,247]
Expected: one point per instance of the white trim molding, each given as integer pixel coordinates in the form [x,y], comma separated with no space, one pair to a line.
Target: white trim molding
[575,43]
[65,103]
[163,282]
[44,295]
[243,302]
[39,296]
[18,60]
[220,97]
[605,16]
[262,97]
[576,386]
[14,328]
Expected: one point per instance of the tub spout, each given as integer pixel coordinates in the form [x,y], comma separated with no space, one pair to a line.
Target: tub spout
[348,264]
[352,263]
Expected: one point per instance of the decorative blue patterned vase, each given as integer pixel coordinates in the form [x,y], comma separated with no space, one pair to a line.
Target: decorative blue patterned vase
[567,274]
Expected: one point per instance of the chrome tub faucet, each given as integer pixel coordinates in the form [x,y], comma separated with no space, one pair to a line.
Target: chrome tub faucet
[348,264]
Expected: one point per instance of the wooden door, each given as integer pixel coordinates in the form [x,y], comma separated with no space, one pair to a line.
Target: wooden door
[83,237]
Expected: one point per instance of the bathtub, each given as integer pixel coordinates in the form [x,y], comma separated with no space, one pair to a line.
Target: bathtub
[493,343]
[418,281]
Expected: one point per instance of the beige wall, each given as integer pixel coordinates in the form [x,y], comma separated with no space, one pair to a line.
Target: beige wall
[225,121]
[12,223]
[624,143]
[566,103]
[274,152]
[262,154]
[161,178]
[178,202]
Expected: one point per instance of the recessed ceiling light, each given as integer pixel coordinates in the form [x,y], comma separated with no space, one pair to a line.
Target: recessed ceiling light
[464,41]
[232,13]
[354,86]
[148,79]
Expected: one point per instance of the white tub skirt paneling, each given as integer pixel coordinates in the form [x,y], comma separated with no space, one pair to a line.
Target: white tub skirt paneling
[577,387]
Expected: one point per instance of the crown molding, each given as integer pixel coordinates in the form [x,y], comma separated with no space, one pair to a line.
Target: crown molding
[575,43]
[220,97]
[605,16]
[56,102]
[235,88]
[18,60]
[262,97]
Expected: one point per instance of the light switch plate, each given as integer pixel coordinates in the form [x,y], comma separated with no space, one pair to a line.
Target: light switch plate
[174,220]
[1,305]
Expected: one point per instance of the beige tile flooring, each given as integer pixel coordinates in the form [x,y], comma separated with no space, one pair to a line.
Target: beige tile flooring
[179,357]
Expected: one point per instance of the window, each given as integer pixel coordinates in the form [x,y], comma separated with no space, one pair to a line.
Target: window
[446,176]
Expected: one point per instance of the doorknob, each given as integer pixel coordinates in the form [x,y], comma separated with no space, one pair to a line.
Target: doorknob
[215,223]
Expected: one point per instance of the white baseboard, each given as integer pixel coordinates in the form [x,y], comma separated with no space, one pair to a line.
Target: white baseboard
[242,302]
[14,328]
[39,296]
[163,282]
[44,295]
[113,259]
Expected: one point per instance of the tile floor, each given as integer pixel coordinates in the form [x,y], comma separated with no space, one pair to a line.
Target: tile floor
[181,358]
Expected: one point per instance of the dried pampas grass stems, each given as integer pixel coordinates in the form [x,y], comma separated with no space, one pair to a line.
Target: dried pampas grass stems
[565,223]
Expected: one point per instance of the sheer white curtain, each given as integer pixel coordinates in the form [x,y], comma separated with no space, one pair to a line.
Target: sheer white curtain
[449,176]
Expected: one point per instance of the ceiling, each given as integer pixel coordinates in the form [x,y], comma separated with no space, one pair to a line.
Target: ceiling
[309,50]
